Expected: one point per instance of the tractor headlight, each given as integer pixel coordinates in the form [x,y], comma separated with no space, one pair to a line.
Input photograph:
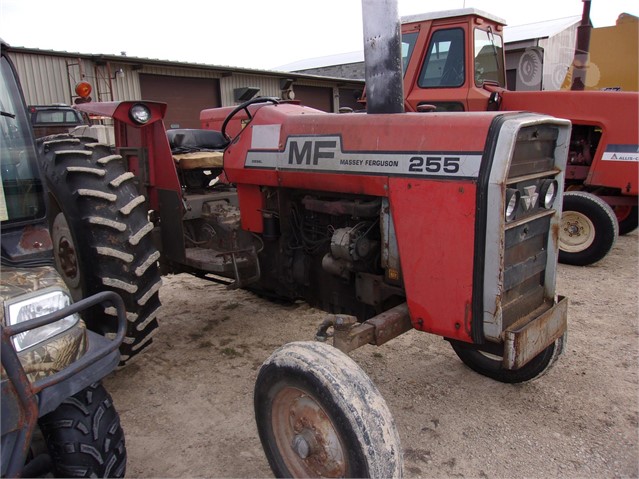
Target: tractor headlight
[548,192]
[140,113]
[512,203]
[34,306]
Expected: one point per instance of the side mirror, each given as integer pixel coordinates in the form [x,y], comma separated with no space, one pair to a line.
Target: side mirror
[494,101]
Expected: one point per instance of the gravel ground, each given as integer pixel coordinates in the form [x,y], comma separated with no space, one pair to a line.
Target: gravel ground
[186,405]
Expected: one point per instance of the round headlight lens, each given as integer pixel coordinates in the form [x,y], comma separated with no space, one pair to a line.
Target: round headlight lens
[140,113]
[548,192]
[512,203]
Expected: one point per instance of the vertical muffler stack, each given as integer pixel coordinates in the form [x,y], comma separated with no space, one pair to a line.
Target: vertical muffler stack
[383,57]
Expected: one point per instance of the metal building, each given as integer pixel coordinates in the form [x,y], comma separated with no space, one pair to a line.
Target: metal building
[50,77]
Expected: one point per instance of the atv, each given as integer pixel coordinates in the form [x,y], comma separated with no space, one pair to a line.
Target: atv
[57,418]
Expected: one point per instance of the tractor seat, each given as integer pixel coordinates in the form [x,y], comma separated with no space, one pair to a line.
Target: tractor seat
[199,160]
[195,139]
[197,149]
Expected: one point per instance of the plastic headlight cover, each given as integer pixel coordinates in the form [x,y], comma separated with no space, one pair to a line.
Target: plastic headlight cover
[140,113]
[548,193]
[512,203]
[34,307]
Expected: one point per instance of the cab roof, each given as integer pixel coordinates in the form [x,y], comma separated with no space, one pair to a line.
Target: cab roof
[461,12]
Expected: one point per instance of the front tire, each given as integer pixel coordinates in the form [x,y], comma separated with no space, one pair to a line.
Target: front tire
[84,436]
[491,366]
[319,415]
[588,229]
[101,235]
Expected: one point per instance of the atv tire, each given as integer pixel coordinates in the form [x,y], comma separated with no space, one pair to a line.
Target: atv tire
[84,436]
[101,235]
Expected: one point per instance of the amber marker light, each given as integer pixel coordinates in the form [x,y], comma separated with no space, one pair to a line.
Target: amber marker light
[83,89]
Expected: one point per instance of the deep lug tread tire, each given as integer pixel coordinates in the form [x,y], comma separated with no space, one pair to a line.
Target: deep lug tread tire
[336,386]
[99,204]
[84,436]
[599,217]
[491,366]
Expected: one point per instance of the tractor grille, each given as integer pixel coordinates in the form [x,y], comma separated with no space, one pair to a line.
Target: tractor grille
[527,236]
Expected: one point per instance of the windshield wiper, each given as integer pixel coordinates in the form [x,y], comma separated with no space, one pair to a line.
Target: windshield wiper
[6,113]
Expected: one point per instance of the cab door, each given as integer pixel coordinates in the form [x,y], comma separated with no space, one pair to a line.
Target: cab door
[438,71]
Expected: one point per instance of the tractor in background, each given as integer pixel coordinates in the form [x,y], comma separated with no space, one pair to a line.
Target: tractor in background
[454,61]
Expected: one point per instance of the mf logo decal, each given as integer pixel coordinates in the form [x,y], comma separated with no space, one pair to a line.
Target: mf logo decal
[310,152]
[529,200]
[325,154]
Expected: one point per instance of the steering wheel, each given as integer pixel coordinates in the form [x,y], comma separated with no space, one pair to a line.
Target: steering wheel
[244,106]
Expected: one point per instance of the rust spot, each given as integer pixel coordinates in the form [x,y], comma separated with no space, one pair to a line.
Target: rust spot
[468,316]
[554,231]
[35,238]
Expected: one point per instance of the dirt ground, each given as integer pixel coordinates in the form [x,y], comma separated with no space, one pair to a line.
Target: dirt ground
[186,405]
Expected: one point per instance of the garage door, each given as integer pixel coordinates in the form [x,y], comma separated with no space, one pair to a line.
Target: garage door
[185,97]
[320,98]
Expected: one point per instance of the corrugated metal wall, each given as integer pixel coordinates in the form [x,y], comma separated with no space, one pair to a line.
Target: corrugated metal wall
[268,86]
[44,78]
[50,78]
[559,51]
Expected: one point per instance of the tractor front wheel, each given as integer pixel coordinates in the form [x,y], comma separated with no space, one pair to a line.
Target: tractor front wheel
[588,229]
[319,415]
[490,365]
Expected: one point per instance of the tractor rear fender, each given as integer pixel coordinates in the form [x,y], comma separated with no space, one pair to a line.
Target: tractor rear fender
[142,141]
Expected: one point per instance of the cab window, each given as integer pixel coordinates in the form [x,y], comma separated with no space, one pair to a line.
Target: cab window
[408,44]
[444,63]
[489,54]
[21,195]
[56,116]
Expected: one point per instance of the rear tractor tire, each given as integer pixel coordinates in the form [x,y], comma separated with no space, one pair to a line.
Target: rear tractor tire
[101,235]
[319,415]
[588,229]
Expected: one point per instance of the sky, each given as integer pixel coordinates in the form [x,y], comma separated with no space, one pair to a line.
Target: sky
[260,34]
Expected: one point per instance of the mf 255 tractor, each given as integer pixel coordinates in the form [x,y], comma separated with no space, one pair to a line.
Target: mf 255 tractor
[454,61]
[446,223]
[57,418]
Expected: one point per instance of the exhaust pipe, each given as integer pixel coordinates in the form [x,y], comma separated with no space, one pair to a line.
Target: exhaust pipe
[383,57]
[582,50]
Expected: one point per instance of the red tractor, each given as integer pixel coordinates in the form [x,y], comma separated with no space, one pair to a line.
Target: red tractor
[454,61]
[446,223]
[397,221]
